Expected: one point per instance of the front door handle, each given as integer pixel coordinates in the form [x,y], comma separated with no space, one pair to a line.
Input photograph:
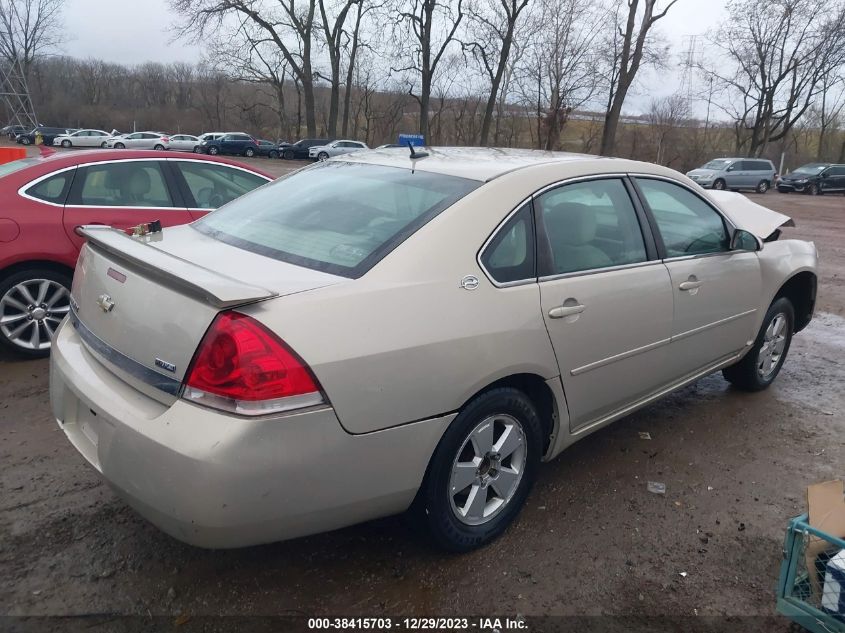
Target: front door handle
[690,285]
[565,311]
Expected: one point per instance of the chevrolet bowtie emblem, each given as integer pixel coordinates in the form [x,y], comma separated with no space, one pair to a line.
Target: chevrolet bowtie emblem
[106,303]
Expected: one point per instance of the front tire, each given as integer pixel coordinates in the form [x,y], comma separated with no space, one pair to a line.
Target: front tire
[813,189]
[719,185]
[289,155]
[482,471]
[66,144]
[33,303]
[322,156]
[25,141]
[213,151]
[761,365]
[762,186]
[119,146]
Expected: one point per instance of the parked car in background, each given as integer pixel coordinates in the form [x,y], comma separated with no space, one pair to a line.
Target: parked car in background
[48,134]
[211,136]
[183,142]
[814,179]
[83,138]
[232,144]
[755,174]
[293,336]
[267,148]
[44,200]
[299,150]
[12,131]
[335,148]
[139,140]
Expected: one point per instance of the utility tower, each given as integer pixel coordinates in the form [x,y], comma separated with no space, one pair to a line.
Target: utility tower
[14,93]
[688,73]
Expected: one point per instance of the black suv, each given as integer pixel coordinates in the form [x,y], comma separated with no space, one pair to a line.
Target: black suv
[234,143]
[47,135]
[300,148]
[814,179]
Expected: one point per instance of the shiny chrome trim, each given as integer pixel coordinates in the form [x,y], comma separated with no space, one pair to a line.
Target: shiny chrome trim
[596,271]
[29,185]
[683,335]
[612,359]
[625,410]
[168,385]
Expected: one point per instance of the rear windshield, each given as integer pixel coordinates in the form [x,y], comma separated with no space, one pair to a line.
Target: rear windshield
[337,217]
[16,165]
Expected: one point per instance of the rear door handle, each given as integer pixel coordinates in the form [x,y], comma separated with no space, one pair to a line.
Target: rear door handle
[690,285]
[565,311]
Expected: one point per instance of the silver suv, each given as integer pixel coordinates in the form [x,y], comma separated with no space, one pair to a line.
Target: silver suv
[735,174]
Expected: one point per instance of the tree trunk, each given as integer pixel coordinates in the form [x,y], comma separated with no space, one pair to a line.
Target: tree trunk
[334,99]
[611,121]
[493,98]
[425,98]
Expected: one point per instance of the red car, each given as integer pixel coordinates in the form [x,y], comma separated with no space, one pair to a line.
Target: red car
[43,200]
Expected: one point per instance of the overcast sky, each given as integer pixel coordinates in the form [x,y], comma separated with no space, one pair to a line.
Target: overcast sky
[133,36]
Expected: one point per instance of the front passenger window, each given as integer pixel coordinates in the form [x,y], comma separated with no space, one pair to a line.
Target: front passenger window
[590,225]
[687,224]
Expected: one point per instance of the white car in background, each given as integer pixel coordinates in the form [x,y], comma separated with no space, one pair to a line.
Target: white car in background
[139,140]
[82,138]
[335,148]
[211,136]
[184,143]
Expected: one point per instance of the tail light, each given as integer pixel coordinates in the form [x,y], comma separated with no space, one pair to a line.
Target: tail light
[242,367]
[165,139]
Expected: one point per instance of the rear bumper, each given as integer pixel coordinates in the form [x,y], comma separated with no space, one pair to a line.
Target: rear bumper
[219,481]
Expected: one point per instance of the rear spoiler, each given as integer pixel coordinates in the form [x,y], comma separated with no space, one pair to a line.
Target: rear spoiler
[216,289]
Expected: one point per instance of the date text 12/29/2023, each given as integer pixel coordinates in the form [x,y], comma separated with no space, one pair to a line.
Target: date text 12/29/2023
[482,624]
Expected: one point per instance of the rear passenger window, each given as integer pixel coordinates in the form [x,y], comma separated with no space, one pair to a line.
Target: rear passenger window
[687,224]
[510,256]
[125,184]
[53,189]
[590,225]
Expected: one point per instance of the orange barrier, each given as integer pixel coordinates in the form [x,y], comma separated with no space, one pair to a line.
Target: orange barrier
[8,154]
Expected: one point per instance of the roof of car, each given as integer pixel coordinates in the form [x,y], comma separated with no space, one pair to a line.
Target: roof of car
[476,163]
[68,159]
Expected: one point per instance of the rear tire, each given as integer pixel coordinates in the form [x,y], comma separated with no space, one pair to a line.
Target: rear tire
[498,437]
[762,364]
[762,186]
[159,147]
[719,185]
[273,154]
[36,298]
[249,152]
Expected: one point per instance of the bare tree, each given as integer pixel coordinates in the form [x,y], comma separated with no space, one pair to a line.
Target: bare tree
[558,71]
[425,30]
[492,26]
[288,25]
[666,118]
[28,28]
[779,53]
[628,47]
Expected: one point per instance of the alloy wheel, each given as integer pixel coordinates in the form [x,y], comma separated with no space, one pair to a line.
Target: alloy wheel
[31,311]
[774,343]
[487,469]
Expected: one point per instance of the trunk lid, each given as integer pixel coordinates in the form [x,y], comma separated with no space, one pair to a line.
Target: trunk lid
[143,304]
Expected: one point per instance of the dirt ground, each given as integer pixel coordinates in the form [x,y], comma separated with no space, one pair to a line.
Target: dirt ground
[590,542]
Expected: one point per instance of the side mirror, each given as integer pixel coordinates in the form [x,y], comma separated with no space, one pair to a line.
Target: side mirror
[825,175]
[731,168]
[744,241]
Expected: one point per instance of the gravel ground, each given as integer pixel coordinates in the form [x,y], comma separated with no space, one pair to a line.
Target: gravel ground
[591,540]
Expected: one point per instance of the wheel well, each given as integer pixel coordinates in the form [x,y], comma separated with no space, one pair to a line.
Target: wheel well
[54,266]
[801,292]
[540,394]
